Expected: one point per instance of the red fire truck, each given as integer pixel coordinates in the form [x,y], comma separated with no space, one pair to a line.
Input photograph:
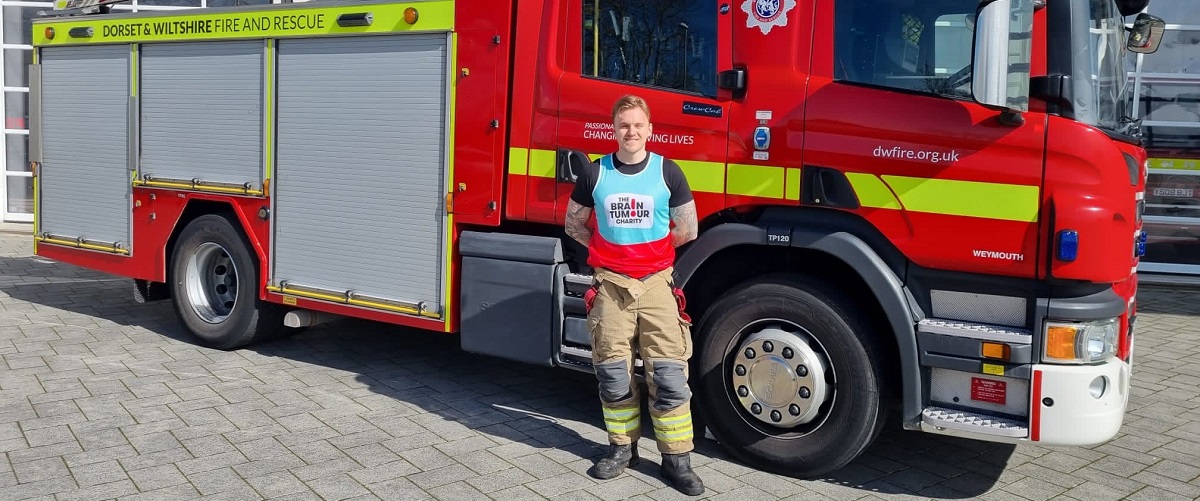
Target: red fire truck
[927,207]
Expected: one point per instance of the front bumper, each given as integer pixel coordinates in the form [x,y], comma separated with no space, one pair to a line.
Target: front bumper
[1063,410]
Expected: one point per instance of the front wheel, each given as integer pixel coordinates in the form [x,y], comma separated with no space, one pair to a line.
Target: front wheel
[790,375]
[213,286]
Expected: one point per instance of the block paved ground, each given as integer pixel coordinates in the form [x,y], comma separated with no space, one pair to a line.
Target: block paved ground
[103,398]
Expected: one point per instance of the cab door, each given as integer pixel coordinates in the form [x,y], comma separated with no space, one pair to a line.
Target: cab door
[951,183]
[668,52]
[772,47]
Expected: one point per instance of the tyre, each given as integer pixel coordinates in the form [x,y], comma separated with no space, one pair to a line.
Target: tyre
[790,379]
[214,286]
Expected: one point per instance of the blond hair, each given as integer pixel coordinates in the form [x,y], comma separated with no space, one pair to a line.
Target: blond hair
[629,102]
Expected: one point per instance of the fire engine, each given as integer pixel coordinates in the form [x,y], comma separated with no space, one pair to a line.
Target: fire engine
[1170,198]
[928,209]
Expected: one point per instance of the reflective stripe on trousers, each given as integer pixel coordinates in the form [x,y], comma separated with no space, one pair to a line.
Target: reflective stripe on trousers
[640,318]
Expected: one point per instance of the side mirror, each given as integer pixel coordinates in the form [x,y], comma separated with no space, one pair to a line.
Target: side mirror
[570,164]
[1003,50]
[1146,34]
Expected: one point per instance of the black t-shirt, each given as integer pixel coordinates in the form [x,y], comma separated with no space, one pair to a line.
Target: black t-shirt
[677,183]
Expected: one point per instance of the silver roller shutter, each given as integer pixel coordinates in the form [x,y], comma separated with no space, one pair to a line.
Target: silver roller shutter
[361,160]
[84,183]
[202,111]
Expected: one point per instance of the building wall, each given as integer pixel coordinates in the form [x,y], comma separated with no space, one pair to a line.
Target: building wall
[16,184]
[1166,96]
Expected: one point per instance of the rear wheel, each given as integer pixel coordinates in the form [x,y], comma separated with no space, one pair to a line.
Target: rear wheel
[790,375]
[214,282]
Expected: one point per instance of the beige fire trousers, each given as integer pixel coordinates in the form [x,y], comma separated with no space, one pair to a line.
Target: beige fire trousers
[628,318]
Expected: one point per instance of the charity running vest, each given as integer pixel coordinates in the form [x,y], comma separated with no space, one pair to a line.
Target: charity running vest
[633,219]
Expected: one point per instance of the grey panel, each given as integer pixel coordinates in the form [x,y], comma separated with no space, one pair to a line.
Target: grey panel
[957,346]
[979,391]
[508,309]
[84,182]
[511,247]
[361,129]
[983,308]
[974,365]
[202,111]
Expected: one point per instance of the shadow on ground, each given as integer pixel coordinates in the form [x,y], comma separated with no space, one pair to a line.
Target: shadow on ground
[1169,300]
[543,408]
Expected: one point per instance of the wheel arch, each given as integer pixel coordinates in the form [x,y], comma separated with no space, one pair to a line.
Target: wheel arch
[249,319]
[824,250]
[196,207]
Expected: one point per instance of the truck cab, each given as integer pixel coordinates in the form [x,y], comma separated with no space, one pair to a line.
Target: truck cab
[952,182]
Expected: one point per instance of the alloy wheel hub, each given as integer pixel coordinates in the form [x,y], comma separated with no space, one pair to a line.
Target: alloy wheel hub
[211,282]
[779,378]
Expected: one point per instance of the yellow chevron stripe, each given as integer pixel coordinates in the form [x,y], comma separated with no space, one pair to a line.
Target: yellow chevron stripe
[704,177]
[756,180]
[543,163]
[792,187]
[1011,202]
[871,191]
[1174,163]
[518,161]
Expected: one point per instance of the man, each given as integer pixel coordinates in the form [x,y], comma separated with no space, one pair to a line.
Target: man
[633,302]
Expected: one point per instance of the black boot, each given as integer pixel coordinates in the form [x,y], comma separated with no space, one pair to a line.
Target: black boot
[678,470]
[615,461]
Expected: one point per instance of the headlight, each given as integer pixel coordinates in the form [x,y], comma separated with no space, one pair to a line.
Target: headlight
[1080,342]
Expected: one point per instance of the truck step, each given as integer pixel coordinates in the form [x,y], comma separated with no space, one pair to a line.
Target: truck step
[942,417]
[986,332]
[576,352]
[586,354]
[576,284]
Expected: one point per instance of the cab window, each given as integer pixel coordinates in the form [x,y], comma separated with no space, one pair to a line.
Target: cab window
[660,43]
[914,45]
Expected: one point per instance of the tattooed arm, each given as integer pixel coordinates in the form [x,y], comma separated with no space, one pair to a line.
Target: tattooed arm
[576,223]
[686,225]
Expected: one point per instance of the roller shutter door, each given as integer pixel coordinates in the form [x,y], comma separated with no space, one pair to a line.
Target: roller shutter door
[361,165]
[202,114]
[84,181]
